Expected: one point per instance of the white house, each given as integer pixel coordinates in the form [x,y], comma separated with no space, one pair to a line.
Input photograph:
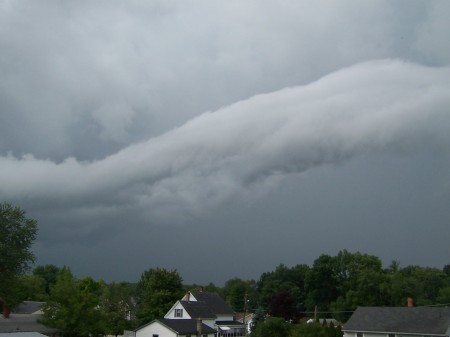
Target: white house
[196,306]
[398,322]
[175,328]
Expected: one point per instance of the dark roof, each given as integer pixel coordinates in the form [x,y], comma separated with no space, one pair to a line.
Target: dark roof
[230,323]
[185,326]
[422,320]
[197,309]
[24,323]
[28,307]
[216,303]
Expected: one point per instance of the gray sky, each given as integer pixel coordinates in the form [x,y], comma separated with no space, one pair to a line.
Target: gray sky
[221,138]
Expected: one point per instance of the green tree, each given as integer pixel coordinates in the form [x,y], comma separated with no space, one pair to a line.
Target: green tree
[48,273]
[157,290]
[32,288]
[272,327]
[444,296]
[118,306]
[283,305]
[74,306]
[283,279]
[322,283]
[315,330]
[240,294]
[17,234]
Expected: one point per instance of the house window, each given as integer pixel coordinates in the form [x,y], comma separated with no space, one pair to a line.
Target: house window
[391,335]
[359,334]
[178,312]
[154,335]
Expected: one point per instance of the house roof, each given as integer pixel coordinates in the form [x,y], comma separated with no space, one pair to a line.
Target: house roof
[22,334]
[230,323]
[216,303]
[183,326]
[24,323]
[197,309]
[28,307]
[422,320]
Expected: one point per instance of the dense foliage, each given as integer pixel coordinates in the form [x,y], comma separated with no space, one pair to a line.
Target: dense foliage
[17,234]
[331,288]
[278,327]
[157,290]
[336,285]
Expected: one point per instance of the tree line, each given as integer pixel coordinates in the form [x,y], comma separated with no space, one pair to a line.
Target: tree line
[332,287]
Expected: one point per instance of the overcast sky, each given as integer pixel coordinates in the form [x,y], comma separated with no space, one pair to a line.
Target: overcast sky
[222,138]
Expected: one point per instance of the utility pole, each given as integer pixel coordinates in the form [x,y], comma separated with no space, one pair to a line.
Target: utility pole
[245,313]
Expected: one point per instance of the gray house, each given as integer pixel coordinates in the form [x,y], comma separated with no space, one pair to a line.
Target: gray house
[25,319]
[398,321]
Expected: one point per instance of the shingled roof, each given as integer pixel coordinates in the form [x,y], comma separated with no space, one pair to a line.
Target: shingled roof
[197,309]
[418,320]
[28,307]
[24,323]
[216,303]
[185,326]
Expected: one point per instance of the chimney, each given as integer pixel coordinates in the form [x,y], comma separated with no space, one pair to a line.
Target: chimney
[6,310]
[188,296]
[201,289]
[199,327]
[410,302]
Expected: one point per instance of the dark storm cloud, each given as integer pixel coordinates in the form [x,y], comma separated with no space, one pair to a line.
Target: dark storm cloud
[105,138]
[242,149]
[77,75]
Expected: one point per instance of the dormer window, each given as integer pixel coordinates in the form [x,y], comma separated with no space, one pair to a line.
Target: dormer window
[178,312]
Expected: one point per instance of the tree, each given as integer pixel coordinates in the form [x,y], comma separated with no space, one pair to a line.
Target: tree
[321,283]
[157,290]
[316,330]
[273,327]
[283,305]
[17,234]
[32,288]
[237,291]
[118,306]
[74,306]
[282,279]
[48,273]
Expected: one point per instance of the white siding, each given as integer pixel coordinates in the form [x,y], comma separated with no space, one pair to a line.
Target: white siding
[349,334]
[171,313]
[365,334]
[225,318]
[155,328]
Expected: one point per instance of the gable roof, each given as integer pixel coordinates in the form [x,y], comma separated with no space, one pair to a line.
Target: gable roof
[423,320]
[197,309]
[182,326]
[216,303]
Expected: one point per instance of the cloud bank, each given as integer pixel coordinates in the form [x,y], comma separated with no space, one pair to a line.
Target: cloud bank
[130,128]
[240,150]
